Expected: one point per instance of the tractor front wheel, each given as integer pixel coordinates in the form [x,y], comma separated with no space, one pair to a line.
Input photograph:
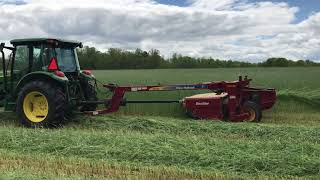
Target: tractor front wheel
[90,94]
[41,104]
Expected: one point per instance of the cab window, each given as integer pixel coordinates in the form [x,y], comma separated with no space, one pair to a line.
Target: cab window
[66,59]
[37,63]
[22,59]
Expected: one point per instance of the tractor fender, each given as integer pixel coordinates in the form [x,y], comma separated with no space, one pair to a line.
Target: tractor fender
[87,75]
[41,75]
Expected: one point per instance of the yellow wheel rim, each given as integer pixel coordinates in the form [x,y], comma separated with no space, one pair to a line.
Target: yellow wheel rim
[35,107]
[252,114]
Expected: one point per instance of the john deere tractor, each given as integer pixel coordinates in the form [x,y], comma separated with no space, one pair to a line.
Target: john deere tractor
[42,81]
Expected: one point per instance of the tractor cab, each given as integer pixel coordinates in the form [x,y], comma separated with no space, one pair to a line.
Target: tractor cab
[30,55]
[46,55]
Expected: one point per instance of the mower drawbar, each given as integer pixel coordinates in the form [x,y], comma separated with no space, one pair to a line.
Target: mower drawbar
[233,101]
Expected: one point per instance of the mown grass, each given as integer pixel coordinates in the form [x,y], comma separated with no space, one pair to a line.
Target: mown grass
[186,148]
[145,145]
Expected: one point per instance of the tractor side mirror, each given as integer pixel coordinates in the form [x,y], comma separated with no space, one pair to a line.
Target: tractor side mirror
[80,45]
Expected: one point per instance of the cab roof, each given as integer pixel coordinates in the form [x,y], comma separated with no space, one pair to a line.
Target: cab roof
[57,42]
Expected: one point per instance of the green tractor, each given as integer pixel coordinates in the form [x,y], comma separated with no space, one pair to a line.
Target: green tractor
[42,81]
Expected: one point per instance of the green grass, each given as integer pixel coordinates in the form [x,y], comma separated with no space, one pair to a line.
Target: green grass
[280,78]
[146,142]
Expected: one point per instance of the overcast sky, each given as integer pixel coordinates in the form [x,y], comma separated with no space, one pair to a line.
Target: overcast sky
[250,30]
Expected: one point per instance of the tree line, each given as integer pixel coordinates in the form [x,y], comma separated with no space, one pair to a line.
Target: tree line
[91,58]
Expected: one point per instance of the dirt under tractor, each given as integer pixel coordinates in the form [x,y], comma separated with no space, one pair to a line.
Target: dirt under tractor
[43,83]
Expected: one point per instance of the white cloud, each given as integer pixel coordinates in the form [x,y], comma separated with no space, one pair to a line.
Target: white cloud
[226,29]
[214,4]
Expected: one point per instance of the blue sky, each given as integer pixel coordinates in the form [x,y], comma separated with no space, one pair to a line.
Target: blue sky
[306,7]
[17,2]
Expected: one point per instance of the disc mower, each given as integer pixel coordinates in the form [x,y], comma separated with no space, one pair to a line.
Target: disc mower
[43,83]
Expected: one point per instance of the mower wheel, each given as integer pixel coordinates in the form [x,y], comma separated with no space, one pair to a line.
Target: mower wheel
[41,104]
[191,115]
[254,111]
[90,94]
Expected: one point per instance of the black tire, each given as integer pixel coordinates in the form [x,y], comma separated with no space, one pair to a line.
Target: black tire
[57,104]
[90,94]
[254,111]
[225,109]
[190,115]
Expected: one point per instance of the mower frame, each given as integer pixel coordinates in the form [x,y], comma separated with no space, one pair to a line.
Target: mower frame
[238,93]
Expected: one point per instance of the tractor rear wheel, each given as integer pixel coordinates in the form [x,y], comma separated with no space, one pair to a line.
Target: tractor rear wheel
[41,104]
[254,111]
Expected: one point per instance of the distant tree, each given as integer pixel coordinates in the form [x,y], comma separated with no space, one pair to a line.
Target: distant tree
[115,58]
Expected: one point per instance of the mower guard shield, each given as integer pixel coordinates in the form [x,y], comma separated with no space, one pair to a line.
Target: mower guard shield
[266,98]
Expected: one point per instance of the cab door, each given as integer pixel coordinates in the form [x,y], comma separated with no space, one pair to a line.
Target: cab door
[20,65]
[27,59]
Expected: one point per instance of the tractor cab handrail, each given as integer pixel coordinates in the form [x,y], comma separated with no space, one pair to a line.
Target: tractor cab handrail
[4,69]
[3,46]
